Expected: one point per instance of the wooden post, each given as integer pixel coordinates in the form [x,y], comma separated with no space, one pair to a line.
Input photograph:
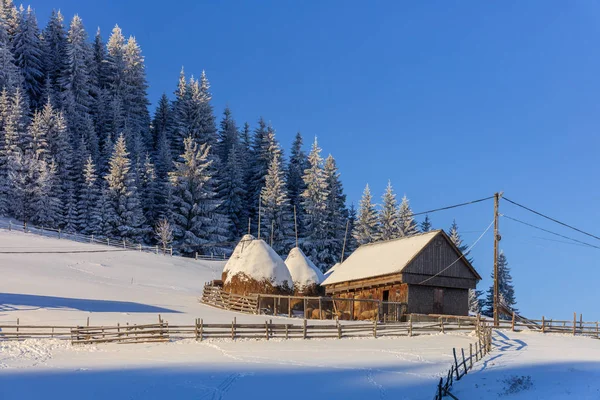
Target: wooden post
[17,328]
[478,327]
[471,354]
[88,322]
[574,322]
[410,325]
[305,308]
[286,331]
[171,251]
[304,330]
[374,328]
[266,330]
[339,327]
[464,360]
[59,233]
[124,243]
[233,329]
[442,324]
[196,329]
[598,336]
[456,363]
[476,354]
[140,246]
[201,329]
[496,240]
[274,305]
[156,249]
[513,322]
[196,256]
[581,323]
[439,392]
[543,325]
[289,307]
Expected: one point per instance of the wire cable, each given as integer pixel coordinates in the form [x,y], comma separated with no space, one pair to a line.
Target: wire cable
[454,206]
[552,233]
[464,253]
[550,218]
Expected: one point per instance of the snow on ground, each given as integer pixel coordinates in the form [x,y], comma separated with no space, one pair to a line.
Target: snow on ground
[134,287]
[532,365]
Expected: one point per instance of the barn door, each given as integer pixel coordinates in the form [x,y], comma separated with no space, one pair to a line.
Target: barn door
[438,301]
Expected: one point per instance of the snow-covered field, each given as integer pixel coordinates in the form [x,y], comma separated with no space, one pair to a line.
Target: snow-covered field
[110,287]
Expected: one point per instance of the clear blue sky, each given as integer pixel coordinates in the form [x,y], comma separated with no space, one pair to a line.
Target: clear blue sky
[450,100]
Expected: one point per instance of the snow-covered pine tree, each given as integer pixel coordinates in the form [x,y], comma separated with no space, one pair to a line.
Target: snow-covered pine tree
[474,294]
[365,227]
[10,75]
[336,214]
[88,217]
[314,205]
[297,164]
[233,195]
[276,217]
[17,122]
[475,301]
[351,243]
[196,223]
[10,15]
[161,124]
[55,56]
[389,220]
[135,98]
[205,119]
[228,136]
[149,191]
[28,53]
[123,194]
[408,226]
[261,158]
[426,224]
[505,288]
[46,206]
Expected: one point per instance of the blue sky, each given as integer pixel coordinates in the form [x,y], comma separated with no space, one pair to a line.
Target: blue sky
[451,101]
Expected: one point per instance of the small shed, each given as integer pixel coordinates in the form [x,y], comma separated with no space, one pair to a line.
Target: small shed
[426,271]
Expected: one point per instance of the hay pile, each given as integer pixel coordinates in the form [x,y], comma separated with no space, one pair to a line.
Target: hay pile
[254,267]
[306,276]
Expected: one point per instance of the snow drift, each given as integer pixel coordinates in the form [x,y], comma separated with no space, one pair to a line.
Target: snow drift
[306,276]
[254,267]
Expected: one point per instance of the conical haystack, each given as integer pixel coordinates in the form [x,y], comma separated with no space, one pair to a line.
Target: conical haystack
[254,267]
[306,276]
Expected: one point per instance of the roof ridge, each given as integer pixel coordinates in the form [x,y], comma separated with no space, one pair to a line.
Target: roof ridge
[401,238]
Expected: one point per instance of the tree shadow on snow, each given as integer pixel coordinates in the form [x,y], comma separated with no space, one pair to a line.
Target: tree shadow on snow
[19,302]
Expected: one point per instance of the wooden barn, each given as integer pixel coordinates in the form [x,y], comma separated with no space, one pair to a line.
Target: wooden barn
[426,271]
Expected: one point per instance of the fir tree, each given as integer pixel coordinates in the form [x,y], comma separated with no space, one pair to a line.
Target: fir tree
[314,205]
[55,56]
[408,226]
[46,205]
[426,224]
[298,163]
[336,214]
[276,218]
[505,288]
[365,228]
[197,225]
[28,54]
[88,217]
[149,190]
[351,243]
[457,240]
[475,301]
[10,75]
[233,195]
[389,225]
[123,194]
[228,136]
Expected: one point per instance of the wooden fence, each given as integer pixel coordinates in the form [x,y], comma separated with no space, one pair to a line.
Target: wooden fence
[163,331]
[576,326]
[305,307]
[463,364]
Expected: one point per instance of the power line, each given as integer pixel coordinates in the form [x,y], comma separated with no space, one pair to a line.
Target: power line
[467,251]
[454,206]
[63,252]
[551,219]
[553,233]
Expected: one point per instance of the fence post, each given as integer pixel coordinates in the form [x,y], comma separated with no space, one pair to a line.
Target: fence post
[196,256]
[24,226]
[597,329]
[233,329]
[201,329]
[439,393]
[59,233]
[478,328]
[374,328]
[456,363]
[124,243]
[286,331]
[464,360]
[581,323]
[442,324]
[543,324]
[304,330]
[17,328]
[140,245]
[410,325]
[513,322]
[574,322]
[266,330]
[471,354]
[92,238]
[476,354]
[339,327]
[9,226]
[171,251]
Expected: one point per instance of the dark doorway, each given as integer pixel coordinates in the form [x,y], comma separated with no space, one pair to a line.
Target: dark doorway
[386,298]
[438,301]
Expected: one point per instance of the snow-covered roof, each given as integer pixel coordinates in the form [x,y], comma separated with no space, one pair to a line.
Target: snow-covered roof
[303,271]
[330,270]
[258,260]
[379,259]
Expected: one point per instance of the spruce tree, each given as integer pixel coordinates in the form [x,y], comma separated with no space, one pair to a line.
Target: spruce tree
[426,224]
[408,226]
[365,228]
[389,224]
[10,75]
[135,98]
[297,164]
[505,288]
[88,217]
[123,194]
[149,191]
[55,56]
[314,205]
[336,214]
[233,195]
[276,217]
[228,136]
[28,53]
[197,224]
[351,243]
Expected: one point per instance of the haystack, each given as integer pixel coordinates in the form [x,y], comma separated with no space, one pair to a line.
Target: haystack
[254,267]
[306,276]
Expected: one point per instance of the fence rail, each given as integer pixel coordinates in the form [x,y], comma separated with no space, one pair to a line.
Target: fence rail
[306,307]
[199,330]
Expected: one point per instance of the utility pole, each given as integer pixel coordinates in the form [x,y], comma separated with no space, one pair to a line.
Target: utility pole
[497,239]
